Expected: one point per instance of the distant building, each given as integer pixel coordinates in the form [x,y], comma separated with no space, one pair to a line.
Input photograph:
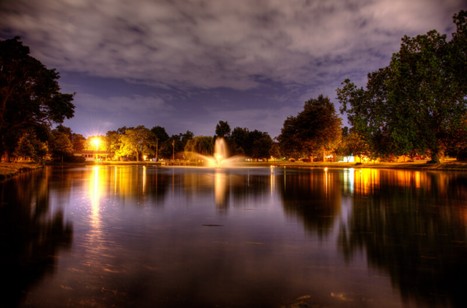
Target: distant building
[93,155]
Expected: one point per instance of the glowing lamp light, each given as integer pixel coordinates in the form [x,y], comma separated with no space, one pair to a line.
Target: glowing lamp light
[96,141]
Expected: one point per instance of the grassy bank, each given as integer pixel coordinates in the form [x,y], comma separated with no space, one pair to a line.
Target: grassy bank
[8,170]
[419,165]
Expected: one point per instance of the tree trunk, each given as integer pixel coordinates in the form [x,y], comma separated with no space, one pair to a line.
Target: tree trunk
[434,156]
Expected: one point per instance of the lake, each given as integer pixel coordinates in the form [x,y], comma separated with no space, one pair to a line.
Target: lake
[146,236]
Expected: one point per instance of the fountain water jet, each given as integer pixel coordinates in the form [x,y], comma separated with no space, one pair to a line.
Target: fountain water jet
[220,157]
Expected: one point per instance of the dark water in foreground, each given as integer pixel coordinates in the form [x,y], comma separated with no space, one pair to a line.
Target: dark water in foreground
[135,236]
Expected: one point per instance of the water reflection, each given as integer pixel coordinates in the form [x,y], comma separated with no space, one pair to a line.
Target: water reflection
[410,224]
[204,237]
[313,196]
[31,235]
[220,188]
[96,188]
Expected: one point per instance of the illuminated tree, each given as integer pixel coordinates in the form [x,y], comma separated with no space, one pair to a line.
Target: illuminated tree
[353,144]
[136,142]
[418,101]
[314,131]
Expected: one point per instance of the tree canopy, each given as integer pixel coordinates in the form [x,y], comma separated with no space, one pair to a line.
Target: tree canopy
[30,97]
[314,131]
[254,144]
[417,103]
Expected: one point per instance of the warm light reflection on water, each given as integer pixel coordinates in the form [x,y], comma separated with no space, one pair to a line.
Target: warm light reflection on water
[271,237]
[220,188]
[96,189]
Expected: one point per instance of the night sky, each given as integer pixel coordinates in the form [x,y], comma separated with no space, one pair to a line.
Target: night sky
[185,65]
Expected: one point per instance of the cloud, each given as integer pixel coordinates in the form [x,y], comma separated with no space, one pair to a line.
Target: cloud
[186,64]
[212,44]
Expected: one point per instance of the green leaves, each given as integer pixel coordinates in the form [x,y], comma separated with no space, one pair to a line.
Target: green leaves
[315,130]
[415,103]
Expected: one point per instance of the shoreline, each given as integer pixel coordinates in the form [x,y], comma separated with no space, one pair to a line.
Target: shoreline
[9,170]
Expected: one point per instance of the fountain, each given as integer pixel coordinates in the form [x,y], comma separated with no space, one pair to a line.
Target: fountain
[220,158]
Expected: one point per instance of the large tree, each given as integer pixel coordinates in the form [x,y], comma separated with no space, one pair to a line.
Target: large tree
[203,145]
[254,144]
[30,97]
[60,143]
[315,131]
[136,142]
[417,103]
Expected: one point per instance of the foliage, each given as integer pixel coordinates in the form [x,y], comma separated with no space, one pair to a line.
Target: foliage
[203,145]
[254,144]
[30,147]
[113,143]
[60,144]
[78,141]
[161,138]
[30,97]
[314,131]
[136,142]
[417,103]
[223,129]
[353,144]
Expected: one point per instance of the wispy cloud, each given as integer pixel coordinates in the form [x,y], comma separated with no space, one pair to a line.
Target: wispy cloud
[280,53]
[211,44]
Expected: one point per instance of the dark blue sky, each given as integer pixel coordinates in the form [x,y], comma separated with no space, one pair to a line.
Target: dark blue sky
[185,65]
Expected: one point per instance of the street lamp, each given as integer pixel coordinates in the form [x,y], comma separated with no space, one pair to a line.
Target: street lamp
[96,141]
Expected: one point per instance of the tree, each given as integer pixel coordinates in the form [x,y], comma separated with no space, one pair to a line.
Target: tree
[314,131]
[187,136]
[161,137]
[30,147]
[113,142]
[223,129]
[289,139]
[418,101]
[136,142]
[253,144]
[353,144]
[25,148]
[261,144]
[60,144]
[30,97]
[239,141]
[203,145]
[78,142]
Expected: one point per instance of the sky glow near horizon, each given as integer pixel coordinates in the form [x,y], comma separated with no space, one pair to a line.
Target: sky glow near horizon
[186,65]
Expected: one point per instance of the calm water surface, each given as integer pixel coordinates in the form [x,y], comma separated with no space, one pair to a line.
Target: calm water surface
[137,236]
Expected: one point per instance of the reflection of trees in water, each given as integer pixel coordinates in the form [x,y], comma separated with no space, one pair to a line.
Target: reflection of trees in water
[136,184]
[247,189]
[241,189]
[418,235]
[30,235]
[312,197]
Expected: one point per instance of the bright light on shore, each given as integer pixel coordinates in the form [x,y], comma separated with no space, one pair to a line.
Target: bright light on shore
[96,141]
